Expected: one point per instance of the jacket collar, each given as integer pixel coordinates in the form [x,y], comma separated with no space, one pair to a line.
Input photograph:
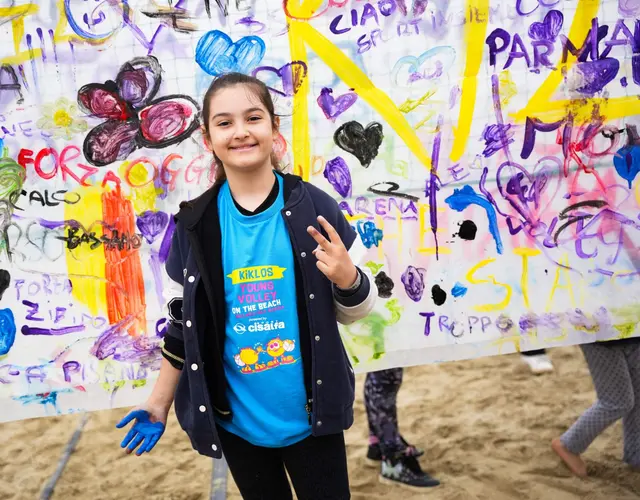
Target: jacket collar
[192,211]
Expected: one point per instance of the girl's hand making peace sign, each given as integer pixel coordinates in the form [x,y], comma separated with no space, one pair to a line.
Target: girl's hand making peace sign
[333,258]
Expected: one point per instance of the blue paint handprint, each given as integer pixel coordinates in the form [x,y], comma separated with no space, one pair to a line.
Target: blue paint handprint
[217,54]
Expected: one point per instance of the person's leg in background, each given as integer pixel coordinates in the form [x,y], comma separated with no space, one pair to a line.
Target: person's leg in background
[398,459]
[631,421]
[538,361]
[615,400]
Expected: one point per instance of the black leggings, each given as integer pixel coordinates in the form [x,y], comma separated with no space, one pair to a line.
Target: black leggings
[317,467]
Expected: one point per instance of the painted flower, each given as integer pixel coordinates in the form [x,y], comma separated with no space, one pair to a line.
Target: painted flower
[61,119]
[134,119]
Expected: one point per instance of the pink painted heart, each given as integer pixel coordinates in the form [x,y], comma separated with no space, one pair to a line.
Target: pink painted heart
[333,107]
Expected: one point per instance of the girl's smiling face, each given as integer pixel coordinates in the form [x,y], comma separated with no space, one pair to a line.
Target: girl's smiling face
[240,129]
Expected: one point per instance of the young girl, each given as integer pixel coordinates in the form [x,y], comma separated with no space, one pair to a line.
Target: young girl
[262,268]
[615,370]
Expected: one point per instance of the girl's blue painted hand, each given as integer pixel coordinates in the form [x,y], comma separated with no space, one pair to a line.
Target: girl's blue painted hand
[144,432]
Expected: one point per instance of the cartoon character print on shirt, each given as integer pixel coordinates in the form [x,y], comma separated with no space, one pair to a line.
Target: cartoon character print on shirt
[258,358]
[258,312]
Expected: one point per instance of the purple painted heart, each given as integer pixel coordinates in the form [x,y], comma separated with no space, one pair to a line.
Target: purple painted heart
[334,107]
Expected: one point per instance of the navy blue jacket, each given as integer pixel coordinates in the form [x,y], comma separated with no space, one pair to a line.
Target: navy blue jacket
[195,336]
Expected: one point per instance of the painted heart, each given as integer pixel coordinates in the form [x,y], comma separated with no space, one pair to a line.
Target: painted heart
[527,192]
[217,54]
[549,28]
[337,173]
[151,224]
[596,74]
[290,76]
[333,107]
[627,163]
[429,65]
[363,143]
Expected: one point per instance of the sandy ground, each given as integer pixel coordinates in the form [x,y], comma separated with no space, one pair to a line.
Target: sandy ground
[486,425]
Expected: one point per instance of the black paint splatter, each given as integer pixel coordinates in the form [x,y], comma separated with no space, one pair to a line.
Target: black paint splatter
[384,284]
[438,295]
[468,230]
[5,281]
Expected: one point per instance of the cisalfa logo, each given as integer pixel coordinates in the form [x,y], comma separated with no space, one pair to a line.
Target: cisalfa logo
[239,329]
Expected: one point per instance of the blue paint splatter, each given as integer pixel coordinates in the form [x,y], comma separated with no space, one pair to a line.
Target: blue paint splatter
[627,163]
[7,331]
[459,290]
[43,398]
[369,233]
[217,54]
[462,198]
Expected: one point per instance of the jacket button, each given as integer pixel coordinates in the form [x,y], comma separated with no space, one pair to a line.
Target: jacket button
[288,213]
[202,408]
[192,279]
[319,423]
[184,271]
[214,447]
[319,382]
[312,296]
[303,254]
[317,338]
[188,323]
[194,367]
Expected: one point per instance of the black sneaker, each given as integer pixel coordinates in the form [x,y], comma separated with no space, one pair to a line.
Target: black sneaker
[407,473]
[374,453]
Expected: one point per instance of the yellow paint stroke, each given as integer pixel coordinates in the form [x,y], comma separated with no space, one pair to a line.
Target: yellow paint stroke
[411,104]
[629,314]
[475,29]
[636,191]
[85,265]
[490,279]
[354,78]
[433,250]
[303,9]
[423,209]
[355,217]
[400,168]
[143,197]
[398,235]
[508,89]
[524,279]
[626,330]
[505,340]
[564,261]
[17,14]
[541,106]
[300,143]
[423,122]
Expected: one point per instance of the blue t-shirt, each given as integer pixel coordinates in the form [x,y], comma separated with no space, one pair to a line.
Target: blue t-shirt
[262,359]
